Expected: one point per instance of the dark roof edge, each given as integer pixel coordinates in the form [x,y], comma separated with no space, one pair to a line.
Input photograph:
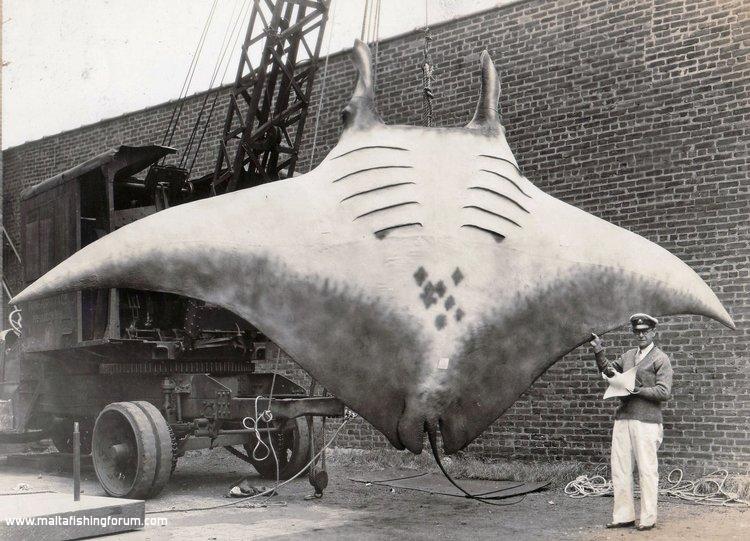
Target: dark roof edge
[228,85]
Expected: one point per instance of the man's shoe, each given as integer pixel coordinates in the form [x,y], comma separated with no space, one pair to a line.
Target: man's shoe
[621,524]
[644,528]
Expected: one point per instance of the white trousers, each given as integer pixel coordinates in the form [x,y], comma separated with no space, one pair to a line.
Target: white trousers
[630,439]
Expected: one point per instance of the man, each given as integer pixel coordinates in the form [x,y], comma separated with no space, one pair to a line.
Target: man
[638,423]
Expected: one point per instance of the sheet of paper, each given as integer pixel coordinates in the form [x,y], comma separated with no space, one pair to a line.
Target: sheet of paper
[620,384]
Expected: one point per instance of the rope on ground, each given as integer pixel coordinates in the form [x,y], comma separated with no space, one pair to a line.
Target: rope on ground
[348,416]
[707,490]
[584,486]
[24,492]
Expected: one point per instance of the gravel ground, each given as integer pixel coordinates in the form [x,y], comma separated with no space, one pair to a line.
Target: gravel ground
[351,510]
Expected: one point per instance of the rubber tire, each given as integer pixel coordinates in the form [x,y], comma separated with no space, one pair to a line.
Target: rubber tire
[166,454]
[147,431]
[62,435]
[296,457]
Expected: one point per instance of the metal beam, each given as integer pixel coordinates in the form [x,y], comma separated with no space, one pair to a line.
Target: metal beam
[269,102]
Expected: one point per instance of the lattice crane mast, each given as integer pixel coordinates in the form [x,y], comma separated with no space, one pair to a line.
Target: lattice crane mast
[269,101]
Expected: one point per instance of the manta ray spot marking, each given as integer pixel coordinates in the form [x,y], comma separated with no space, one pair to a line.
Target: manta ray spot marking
[431,293]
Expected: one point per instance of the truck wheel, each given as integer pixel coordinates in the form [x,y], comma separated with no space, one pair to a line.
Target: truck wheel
[292,446]
[62,435]
[132,450]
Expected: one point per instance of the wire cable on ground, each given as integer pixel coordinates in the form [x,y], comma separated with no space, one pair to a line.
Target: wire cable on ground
[384,483]
[707,490]
[347,417]
[484,498]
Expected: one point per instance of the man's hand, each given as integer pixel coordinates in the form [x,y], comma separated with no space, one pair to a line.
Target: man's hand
[596,343]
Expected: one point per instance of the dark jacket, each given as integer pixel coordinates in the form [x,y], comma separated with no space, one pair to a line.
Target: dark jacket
[654,375]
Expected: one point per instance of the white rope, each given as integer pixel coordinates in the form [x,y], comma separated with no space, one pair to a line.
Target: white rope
[266,416]
[348,416]
[583,486]
[251,423]
[16,320]
[708,490]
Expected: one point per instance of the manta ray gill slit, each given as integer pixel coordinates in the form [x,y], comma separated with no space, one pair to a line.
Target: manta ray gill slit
[501,196]
[379,188]
[379,167]
[513,182]
[371,147]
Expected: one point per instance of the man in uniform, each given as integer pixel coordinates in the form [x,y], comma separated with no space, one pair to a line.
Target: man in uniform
[638,428]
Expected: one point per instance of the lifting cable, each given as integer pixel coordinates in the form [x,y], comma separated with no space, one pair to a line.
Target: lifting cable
[368,7]
[371,32]
[376,39]
[233,29]
[213,105]
[177,111]
[332,9]
[427,71]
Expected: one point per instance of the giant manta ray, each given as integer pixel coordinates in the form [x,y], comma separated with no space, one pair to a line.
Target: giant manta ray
[416,272]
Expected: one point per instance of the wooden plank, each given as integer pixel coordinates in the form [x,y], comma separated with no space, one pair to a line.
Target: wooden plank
[57,517]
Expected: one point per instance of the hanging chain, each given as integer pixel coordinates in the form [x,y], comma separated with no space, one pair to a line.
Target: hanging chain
[427,94]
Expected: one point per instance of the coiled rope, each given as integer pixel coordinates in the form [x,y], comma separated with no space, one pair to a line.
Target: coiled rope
[707,490]
[584,486]
[16,320]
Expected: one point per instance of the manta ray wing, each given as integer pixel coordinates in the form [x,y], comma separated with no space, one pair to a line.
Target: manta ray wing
[416,272]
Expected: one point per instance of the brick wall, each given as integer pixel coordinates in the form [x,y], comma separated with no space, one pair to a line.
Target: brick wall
[636,111]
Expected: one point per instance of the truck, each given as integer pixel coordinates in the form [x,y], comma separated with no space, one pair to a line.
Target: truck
[147,375]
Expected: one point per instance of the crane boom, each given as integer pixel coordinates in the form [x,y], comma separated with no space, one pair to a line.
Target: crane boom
[269,102]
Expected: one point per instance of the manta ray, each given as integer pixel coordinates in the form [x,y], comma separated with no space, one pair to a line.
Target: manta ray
[416,272]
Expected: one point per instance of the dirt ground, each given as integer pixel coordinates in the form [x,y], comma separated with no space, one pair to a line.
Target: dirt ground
[350,510]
